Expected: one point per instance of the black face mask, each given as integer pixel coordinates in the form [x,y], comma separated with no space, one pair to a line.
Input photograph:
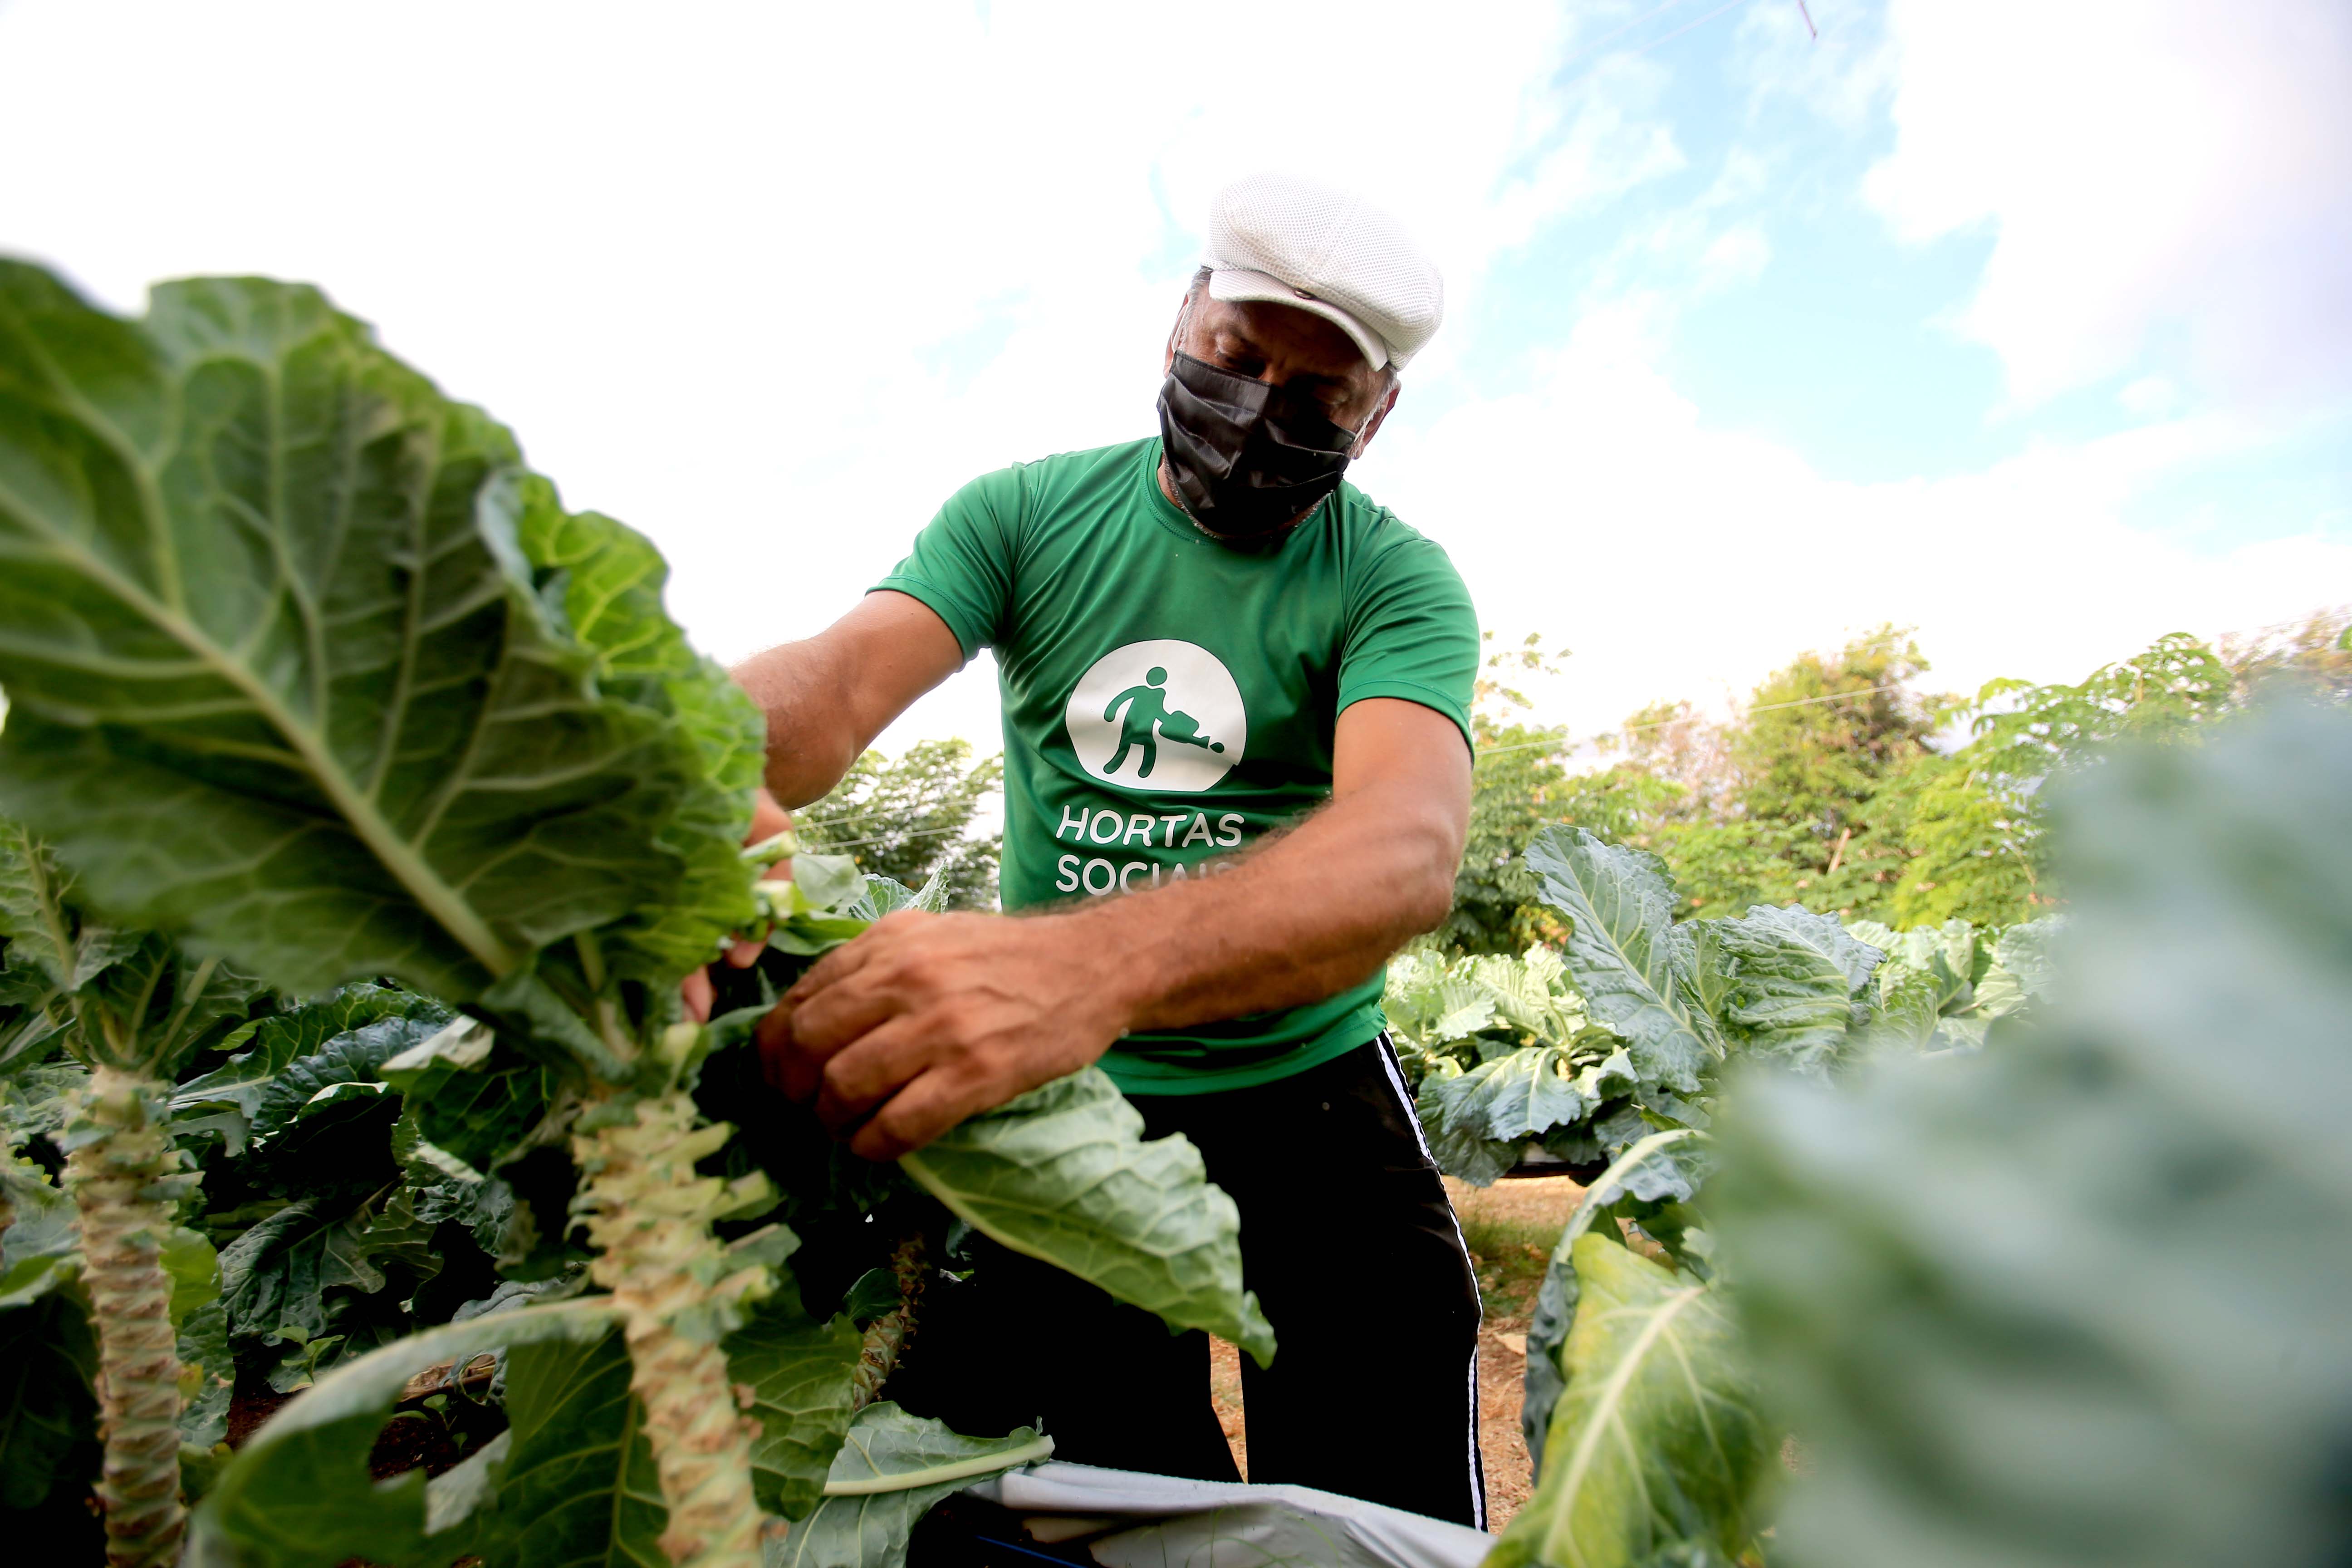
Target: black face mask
[1246,460]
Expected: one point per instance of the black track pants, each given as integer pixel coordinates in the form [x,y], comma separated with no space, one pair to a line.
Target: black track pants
[1350,1242]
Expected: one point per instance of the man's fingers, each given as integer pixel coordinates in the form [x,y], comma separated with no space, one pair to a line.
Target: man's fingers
[744,954]
[833,968]
[697,993]
[935,1101]
[787,1067]
[802,1032]
[869,1070]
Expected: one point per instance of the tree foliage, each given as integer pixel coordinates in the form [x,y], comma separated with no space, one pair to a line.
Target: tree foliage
[1842,785]
[911,819]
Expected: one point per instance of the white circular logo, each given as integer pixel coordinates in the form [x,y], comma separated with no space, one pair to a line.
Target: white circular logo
[1162,716]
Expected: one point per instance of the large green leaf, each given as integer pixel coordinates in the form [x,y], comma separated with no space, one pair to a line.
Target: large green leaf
[572,1482]
[470,1096]
[208,1375]
[35,918]
[1629,959]
[1655,1170]
[157,1007]
[1478,1122]
[604,582]
[297,1495]
[889,1472]
[2023,951]
[1904,1012]
[1657,1440]
[280,676]
[574,1486]
[355,1057]
[1795,975]
[1064,1173]
[799,1372]
[49,1418]
[275,1278]
[268,1045]
[42,1249]
[2079,1299]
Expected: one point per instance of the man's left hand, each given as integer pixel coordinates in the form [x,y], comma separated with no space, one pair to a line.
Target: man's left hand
[925,1019]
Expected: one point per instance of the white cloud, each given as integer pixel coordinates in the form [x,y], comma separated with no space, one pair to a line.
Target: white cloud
[770,282]
[2153,169]
[1680,561]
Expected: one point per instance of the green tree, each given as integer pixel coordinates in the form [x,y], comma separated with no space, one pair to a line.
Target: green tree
[2315,652]
[1514,783]
[1970,857]
[911,817]
[1806,798]
[1977,850]
[1825,759]
[1828,791]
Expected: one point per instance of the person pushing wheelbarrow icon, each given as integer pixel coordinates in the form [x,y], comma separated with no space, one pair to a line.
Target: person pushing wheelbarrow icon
[1149,721]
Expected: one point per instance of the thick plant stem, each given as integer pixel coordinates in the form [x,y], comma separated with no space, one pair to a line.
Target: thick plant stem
[116,1178]
[650,1215]
[887,1336]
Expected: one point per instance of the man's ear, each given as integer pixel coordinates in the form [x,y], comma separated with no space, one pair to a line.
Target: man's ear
[1380,418]
[1168,356]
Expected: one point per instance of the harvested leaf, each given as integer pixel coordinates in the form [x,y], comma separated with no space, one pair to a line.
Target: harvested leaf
[1064,1173]
[891,1470]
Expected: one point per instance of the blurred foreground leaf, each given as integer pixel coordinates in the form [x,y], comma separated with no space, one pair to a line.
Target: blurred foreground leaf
[2081,1299]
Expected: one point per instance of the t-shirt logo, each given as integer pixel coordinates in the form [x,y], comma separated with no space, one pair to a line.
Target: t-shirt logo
[1163,717]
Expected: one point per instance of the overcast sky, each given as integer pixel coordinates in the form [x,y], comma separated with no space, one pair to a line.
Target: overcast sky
[2025,323]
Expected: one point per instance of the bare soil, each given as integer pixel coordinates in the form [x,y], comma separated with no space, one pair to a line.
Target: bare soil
[1511,1228]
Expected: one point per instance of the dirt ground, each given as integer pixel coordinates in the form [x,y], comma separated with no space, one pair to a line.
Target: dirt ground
[1510,1227]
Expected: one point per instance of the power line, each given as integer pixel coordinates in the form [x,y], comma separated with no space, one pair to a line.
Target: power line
[1614,34]
[2291,624]
[1654,43]
[2295,623]
[884,838]
[1695,719]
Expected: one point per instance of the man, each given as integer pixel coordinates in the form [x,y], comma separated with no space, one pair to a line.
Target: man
[1236,691]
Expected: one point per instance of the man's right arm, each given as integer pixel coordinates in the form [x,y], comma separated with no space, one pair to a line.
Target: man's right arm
[827,697]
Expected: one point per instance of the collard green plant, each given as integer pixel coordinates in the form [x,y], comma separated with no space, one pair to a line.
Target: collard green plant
[132,1242]
[1502,1057]
[132,1008]
[1661,1437]
[1637,1457]
[2079,1298]
[1578,1052]
[305,670]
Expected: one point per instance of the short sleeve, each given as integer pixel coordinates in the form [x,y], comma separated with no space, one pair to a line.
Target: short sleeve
[1412,633]
[962,565]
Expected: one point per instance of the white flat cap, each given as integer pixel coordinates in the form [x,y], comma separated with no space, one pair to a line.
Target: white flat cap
[1318,247]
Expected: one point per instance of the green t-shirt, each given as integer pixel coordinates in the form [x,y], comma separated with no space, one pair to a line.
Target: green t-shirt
[1168,698]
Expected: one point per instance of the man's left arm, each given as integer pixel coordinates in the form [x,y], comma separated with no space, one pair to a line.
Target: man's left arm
[926,1019]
